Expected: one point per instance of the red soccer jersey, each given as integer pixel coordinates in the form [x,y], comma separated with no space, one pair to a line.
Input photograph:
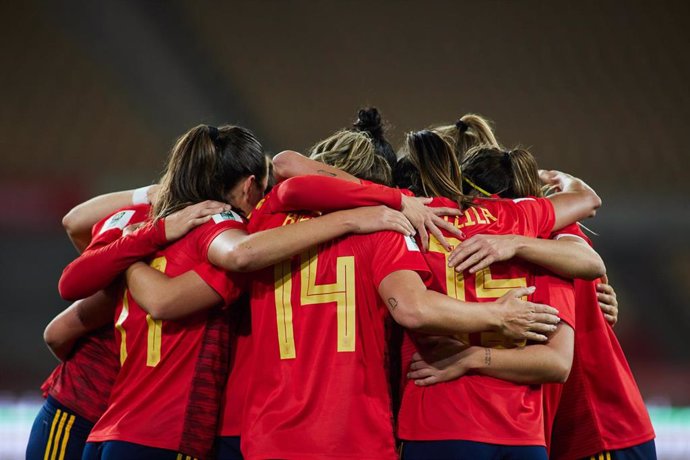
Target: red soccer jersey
[319,385]
[83,381]
[600,406]
[476,407]
[167,394]
[298,193]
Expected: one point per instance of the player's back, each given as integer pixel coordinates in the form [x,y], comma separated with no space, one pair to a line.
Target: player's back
[319,385]
[600,407]
[167,393]
[476,407]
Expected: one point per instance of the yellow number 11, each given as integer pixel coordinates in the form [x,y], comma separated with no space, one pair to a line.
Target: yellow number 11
[342,292]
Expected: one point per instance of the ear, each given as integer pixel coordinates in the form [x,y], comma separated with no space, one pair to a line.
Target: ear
[247,185]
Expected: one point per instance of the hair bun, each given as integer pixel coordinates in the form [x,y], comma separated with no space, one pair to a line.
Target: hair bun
[369,121]
[462,126]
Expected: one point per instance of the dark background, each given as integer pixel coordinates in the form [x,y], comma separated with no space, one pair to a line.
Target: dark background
[95,92]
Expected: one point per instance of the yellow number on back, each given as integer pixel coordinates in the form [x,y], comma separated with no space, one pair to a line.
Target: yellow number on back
[342,292]
[154,327]
[485,287]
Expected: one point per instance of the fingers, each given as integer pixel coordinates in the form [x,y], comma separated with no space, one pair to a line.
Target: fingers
[462,252]
[424,237]
[485,262]
[605,279]
[540,328]
[434,230]
[546,318]
[605,289]
[541,308]
[421,374]
[472,260]
[447,226]
[427,381]
[199,220]
[417,365]
[533,336]
[607,299]
[521,292]
[446,211]
[608,309]
[612,320]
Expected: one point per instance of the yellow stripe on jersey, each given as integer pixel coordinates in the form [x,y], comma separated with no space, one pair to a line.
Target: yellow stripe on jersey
[608,455]
[50,436]
[65,438]
[179,457]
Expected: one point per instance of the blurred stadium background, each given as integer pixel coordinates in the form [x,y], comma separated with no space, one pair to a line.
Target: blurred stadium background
[94,93]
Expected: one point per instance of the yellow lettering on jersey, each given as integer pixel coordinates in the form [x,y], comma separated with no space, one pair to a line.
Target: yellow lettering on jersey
[154,326]
[342,292]
[282,289]
[488,215]
[477,216]
[119,325]
[468,218]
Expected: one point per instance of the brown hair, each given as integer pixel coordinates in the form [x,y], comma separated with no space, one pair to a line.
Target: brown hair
[361,151]
[205,163]
[434,157]
[507,173]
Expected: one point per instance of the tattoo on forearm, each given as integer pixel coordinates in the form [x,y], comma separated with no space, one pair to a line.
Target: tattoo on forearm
[487,357]
[392,303]
[325,173]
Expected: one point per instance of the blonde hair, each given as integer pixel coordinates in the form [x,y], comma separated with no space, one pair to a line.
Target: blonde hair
[353,152]
[469,131]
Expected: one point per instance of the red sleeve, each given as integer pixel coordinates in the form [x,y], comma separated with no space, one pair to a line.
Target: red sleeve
[535,216]
[318,193]
[228,285]
[557,292]
[99,265]
[391,252]
[219,223]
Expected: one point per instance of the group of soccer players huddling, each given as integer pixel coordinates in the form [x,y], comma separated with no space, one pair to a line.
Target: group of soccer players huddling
[440,302]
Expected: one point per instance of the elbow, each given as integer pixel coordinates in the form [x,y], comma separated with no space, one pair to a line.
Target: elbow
[162,309]
[69,221]
[239,259]
[595,202]
[410,315]
[283,164]
[561,372]
[55,345]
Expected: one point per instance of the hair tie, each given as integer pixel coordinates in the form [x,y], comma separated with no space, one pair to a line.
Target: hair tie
[462,126]
[475,186]
[506,159]
[213,133]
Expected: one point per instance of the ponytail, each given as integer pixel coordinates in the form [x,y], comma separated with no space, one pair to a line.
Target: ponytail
[205,163]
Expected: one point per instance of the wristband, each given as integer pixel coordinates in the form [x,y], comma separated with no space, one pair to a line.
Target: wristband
[140,195]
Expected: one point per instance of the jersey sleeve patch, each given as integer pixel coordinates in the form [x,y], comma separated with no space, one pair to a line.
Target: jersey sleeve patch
[118,220]
[411,244]
[227,215]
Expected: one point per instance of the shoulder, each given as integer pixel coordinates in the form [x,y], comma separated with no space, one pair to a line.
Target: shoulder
[122,218]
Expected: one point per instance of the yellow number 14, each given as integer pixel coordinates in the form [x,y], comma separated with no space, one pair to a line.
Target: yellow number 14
[342,292]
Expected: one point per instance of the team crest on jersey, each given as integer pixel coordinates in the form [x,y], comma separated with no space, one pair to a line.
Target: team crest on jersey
[117,220]
[411,244]
[227,215]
